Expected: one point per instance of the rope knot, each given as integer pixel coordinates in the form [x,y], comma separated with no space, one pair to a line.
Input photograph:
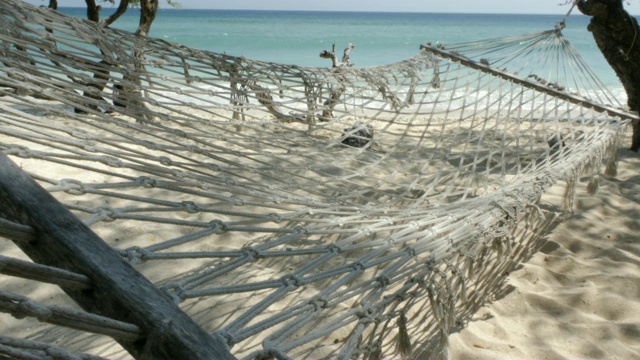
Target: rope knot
[190,207]
[136,255]
[146,182]
[250,253]
[225,336]
[411,251]
[383,280]
[218,224]
[335,249]
[107,214]
[431,262]
[237,201]
[400,297]
[300,230]
[292,280]
[111,161]
[59,354]
[175,291]
[150,145]
[73,187]
[27,307]
[358,266]
[19,151]
[271,353]
[196,149]
[365,315]
[319,304]
[165,161]
[274,217]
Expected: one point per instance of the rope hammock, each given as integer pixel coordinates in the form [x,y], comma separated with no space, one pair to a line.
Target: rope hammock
[291,212]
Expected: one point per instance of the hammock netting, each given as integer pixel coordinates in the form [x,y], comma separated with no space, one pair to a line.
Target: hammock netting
[300,212]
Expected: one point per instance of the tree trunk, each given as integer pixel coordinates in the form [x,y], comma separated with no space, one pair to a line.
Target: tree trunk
[130,93]
[617,34]
[93,10]
[99,76]
[148,11]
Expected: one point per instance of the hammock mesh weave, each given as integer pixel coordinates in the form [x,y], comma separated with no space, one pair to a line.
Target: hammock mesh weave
[299,212]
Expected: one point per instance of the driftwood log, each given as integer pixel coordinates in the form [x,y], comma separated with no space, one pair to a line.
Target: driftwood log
[335,93]
[117,290]
[326,54]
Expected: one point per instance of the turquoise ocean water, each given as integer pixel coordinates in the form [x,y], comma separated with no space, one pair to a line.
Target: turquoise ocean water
[298,37]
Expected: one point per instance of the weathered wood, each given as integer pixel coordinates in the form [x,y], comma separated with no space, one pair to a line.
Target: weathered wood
[119,291]
[336,93]
[574,99]
[42,273]
[21,306]
[16,232]
[326,54]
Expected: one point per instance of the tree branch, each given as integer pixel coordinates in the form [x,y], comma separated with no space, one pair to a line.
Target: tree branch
[325,54]
[122,8]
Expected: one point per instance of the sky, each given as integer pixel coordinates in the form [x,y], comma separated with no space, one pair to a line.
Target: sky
[452,6]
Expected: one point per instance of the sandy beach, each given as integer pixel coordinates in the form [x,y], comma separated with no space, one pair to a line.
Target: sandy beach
[578,297]
[279,211]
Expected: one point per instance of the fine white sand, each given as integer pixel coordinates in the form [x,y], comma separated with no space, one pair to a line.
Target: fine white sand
[579,296]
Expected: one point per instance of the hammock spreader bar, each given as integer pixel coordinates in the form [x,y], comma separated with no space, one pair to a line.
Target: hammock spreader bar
[574,99]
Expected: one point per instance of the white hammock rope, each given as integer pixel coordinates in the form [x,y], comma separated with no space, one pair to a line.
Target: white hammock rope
[305,212]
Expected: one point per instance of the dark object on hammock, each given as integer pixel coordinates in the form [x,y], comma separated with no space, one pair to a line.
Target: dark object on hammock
[358,135]
[556,142]
[120,99]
